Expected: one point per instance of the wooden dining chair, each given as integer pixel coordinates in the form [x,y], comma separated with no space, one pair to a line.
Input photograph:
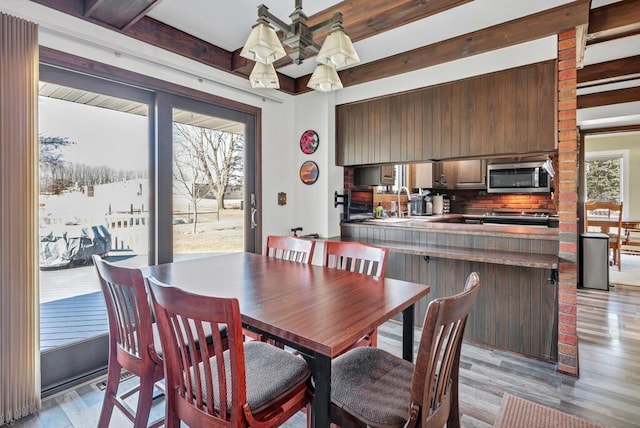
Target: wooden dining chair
[361,258]
[612,211]
[132,345]
[371,387]
[290,248]
[260,385]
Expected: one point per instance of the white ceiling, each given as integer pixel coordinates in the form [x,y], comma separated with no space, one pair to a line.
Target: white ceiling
[227,24]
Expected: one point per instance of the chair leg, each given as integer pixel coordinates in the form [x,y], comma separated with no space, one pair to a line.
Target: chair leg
[145,398]
[110,392]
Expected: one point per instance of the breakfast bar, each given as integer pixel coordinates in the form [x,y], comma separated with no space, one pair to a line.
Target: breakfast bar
[516,309]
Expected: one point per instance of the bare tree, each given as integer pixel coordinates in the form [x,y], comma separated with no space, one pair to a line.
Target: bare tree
[216,154]
[188,175]
[52,164]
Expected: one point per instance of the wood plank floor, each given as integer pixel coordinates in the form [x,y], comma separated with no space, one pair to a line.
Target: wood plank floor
[607,391]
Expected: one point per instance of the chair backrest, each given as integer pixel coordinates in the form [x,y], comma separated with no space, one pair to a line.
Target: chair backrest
[356,257]
[290,248]
[438,358]
[128,308]
[184,319]
[607,209]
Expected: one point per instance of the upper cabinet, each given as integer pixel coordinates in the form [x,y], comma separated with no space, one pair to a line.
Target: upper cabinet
[463,174]
[505,113]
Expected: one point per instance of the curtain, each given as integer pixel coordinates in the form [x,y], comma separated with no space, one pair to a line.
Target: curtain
[19,290]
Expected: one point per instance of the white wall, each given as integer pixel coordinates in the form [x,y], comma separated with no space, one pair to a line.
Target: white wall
[284,118]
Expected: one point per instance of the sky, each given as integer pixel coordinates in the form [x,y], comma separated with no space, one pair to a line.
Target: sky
[102,136]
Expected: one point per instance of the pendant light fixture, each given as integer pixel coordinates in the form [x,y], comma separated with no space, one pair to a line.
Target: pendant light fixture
[264,47]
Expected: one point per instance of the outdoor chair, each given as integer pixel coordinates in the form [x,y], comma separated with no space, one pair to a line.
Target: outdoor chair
[361,258]
[371,387]
[610,210]
[260,385]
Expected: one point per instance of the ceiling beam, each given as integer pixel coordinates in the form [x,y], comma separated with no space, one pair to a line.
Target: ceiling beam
[618,96]
[117,13]
[614,21]
[532,27]
[618,70]
[363,19]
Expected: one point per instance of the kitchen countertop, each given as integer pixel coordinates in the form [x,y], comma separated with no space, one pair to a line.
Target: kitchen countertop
[447,223]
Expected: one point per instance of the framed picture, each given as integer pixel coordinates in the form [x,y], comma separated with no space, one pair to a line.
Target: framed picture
[309,141]
[309,172]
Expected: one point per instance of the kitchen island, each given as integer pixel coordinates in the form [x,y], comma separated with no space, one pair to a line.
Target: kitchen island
[516,309]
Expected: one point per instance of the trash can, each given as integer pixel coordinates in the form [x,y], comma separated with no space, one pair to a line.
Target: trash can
[594,260]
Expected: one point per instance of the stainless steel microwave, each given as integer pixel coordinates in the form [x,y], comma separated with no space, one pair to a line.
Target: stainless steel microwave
[525,177]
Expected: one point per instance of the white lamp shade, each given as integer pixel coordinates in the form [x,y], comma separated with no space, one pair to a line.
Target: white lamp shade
[337,50]
[264,76]
[263,45]
[325,78]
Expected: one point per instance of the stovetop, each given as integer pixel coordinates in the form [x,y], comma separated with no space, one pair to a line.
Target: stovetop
[517,215]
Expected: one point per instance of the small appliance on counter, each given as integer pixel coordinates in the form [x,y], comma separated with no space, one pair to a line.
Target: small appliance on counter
[416,204]
[438,204]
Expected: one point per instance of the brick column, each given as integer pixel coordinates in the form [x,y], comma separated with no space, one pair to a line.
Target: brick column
[567,193]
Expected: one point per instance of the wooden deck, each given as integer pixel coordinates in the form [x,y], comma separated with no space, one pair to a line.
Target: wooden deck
[72,319]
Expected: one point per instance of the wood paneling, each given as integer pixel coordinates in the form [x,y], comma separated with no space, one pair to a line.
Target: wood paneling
[508,112]
[516,307]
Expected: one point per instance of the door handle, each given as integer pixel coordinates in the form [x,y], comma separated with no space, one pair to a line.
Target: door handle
[254,224]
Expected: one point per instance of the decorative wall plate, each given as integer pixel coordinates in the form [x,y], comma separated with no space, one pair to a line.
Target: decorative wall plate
[309,172]
[309,141]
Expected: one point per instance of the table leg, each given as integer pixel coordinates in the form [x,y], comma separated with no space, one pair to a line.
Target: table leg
[407,333]
[322,396]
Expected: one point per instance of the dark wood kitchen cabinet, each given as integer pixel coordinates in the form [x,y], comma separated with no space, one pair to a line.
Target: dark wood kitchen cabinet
[463,174]
[509,112]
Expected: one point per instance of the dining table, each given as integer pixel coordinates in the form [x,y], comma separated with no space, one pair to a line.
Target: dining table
[605,223]
[316,310]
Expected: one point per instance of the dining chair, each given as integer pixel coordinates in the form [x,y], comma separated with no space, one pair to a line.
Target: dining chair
[132,343]
[361,258]
[371,387]
[612,211]
[249,384]
[290,248]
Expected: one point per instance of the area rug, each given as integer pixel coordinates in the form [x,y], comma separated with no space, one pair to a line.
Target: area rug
[516,412]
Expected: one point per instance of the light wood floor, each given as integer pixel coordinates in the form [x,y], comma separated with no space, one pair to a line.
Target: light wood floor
[607,391]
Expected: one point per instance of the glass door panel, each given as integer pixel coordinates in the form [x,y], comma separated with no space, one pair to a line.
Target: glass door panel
[94,199]
[208,185]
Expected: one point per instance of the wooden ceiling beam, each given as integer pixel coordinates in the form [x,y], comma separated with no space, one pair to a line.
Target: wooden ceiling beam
[365,18]
[614,21]
[618,70]
[618,96]
[117,13]
[532,27]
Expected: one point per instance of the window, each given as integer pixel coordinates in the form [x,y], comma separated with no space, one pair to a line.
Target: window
[606,176]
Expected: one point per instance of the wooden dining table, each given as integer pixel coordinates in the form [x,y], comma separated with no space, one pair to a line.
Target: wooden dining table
[316,310]
[605,223]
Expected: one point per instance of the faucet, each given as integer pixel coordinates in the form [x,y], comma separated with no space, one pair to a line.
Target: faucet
[408,199]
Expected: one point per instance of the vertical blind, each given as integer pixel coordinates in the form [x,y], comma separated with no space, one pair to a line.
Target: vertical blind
[19,296]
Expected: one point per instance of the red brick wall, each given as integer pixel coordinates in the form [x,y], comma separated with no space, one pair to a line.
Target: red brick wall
[567,194]
[473,202]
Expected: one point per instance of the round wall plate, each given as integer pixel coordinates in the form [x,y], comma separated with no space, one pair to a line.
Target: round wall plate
[309,141]
[309,172]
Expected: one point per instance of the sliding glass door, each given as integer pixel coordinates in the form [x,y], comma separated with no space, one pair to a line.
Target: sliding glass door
[94,199]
